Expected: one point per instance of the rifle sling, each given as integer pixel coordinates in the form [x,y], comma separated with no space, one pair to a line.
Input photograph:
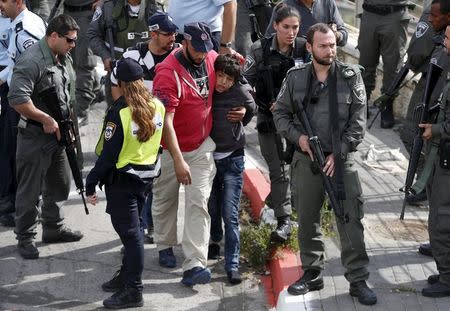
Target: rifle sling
[335,133]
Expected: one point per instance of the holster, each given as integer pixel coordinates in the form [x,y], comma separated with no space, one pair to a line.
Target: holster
[444,154]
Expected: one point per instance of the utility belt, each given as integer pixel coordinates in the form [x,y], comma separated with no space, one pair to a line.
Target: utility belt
[72,8]
[383,9]
[444,154]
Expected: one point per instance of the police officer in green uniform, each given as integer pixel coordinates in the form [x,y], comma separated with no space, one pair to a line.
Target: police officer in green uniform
[84,60]
[340,130]
[128,161]
[437,136]
[127,20]
[42,166]
[265,68]
[383,31]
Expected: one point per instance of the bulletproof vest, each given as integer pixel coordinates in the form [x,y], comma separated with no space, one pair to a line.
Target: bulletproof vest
[130,30]
[272,71]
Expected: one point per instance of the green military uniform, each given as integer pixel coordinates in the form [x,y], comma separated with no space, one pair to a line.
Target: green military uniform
[253,71]
[307,188]
[42,166]
[128,27]
[383,31]
[438,189]
[84,60]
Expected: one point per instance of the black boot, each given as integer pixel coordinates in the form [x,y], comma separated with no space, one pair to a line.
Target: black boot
[434,278]
[28,250]
[125,298]
[436,290]
[365,295]
[60,235]
[116,283]
[425,249]
[387,116]
[310,281]
[283,230]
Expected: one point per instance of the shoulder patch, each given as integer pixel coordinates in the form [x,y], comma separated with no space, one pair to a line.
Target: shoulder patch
[349,71]
[421,29]
[360,91]
[98,12]
[28,43]
[249,62]
[109,130]
[158,120]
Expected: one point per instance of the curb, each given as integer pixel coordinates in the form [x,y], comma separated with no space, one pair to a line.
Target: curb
[285,270]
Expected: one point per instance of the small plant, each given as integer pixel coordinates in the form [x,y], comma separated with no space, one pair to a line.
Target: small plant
[257,248]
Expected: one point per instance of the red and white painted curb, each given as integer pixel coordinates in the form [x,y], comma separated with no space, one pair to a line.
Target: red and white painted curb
[283,271]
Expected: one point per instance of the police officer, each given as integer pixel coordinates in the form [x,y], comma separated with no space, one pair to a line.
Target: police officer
[84,59]
[317,11]
[22,30]
[334,96]
[265,69]
[383,31]
[127,21]
[7,155]
[148,54]
[42,166]
[425,44]
[128,161]
[437,136]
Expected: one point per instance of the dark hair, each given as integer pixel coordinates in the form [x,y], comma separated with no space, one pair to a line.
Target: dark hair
[444,6]
[321,27]
[62,24]
[229,65]
[282,11]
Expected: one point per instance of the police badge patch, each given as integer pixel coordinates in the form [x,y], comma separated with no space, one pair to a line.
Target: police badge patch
[98,12]
[421,29]
[360,91]
[109,130]
[28,43]
[249,62]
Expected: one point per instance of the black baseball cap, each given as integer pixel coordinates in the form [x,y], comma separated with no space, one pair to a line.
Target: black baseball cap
[129,70]
[161,21]
[200,36]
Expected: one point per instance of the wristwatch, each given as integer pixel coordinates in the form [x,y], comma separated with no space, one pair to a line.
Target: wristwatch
[226,45]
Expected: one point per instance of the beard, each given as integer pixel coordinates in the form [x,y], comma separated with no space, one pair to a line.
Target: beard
[325,61]
[192,60]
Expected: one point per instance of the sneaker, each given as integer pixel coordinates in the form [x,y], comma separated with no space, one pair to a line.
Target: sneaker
[167,258]
[196,275]
[436,290]
[28,250]
[282,231]
[115,284]
[234,277]
[125,298]
[365,295]
[61,235]
[310,281]
[213,251]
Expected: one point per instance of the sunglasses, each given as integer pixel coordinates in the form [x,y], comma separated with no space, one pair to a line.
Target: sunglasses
[68,39]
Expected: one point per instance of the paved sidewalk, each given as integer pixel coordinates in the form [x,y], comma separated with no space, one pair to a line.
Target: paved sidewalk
[68,276]
[398,271]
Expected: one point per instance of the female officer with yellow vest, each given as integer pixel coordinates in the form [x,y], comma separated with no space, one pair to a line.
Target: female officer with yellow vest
[128,161]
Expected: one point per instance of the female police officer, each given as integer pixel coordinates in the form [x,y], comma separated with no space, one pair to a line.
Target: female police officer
[265,68]
[128,162]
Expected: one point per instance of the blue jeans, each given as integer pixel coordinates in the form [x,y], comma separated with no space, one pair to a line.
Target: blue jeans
[224,203]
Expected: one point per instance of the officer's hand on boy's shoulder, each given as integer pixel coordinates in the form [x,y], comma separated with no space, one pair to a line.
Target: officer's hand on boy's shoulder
[236,114]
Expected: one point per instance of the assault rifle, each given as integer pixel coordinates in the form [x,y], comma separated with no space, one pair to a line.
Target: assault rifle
[319,157]
[423,109]
[391,93]
[66,128]
[54,10]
